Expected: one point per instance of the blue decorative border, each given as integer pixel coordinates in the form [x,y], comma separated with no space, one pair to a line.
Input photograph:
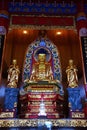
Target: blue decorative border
[4,16]
[49,8]
[81,18]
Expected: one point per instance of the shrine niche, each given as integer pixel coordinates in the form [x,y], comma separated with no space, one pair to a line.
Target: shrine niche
[42,90]
[45,46]
[41,95]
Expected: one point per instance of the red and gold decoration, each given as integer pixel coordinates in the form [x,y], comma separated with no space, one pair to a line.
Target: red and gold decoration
[40,99]
[53,103]
[42,96]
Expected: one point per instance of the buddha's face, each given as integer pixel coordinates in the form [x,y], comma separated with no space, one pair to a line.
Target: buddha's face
[42,57]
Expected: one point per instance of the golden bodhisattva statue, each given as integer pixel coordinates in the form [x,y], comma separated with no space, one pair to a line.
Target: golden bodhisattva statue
[41,70]
[13,75]
[72,78]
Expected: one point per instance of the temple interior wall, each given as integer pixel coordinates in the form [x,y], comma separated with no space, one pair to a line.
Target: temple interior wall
[68,44]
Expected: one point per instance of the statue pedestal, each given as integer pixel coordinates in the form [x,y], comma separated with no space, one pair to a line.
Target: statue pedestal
[77,114]
[10,103]
[52,102]
[30,105]
[75,103]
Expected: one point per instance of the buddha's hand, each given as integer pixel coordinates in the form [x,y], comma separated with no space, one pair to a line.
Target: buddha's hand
[57,81]
[26,80]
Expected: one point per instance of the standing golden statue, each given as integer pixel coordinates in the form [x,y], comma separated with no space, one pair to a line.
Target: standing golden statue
[13,75]
[72,78]
[41,70]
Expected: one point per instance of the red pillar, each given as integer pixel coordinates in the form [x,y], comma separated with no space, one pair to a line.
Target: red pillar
[4,24]
[81,24]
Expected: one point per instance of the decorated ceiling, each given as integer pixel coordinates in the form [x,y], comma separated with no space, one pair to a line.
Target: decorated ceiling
[41,7]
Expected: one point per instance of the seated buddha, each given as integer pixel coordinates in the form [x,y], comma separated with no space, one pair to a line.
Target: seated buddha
[41,70]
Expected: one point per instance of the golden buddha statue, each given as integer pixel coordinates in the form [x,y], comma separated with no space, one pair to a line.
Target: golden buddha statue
[72,78]
[41,70]
[13,75]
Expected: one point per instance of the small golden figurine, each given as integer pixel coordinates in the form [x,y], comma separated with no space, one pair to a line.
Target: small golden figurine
[13,75]
[72,78]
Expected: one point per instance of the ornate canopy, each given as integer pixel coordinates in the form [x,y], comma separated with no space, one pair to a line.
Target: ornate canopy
[52,56]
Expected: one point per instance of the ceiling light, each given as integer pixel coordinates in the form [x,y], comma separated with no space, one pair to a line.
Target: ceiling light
[58,33]
[25,32]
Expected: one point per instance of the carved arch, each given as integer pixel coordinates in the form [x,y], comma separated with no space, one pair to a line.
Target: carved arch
[50,49]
